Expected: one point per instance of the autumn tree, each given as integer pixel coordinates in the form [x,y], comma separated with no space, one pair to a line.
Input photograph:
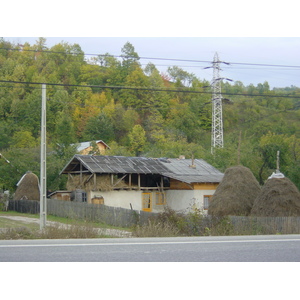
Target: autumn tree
[137,139]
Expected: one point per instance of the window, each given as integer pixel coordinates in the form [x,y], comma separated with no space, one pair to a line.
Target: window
[206,201]
[84,198]
[160,198]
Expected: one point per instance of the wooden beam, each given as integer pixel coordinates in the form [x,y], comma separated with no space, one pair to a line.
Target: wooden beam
[80,175]
[120,180]
[78,172]
[88,179]
[70,176]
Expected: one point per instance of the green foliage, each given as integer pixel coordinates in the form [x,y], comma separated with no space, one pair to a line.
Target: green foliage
[137,139]
[20,160]
[23,139]
[64,133]
[173,123]
[99,127]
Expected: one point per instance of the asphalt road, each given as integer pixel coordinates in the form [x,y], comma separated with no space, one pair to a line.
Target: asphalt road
[269,248]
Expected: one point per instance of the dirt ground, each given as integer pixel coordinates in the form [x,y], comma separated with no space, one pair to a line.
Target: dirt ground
[104,231]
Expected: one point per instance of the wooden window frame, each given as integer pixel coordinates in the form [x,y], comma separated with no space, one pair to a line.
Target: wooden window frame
[143,202]
[160,198]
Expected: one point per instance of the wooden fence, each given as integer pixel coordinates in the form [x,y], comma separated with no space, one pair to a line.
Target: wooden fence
[265,225]
[116,216]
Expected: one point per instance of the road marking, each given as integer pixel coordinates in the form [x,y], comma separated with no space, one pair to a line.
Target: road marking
[147,243]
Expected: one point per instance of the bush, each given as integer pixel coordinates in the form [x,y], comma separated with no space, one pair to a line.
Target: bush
[155,228]
[194,223]
[20,233]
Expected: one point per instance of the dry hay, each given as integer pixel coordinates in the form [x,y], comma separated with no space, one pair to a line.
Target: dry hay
[279,197]
[103,183]
[28,188]
[235,194]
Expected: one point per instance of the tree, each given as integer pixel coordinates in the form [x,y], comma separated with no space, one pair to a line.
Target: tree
[124,121]
[181,77]
[135,98]
[20,160]
[23,139]
[99,127]
[137,139]
[130,57]
[64,129]
[180,117]
[6,132]
[156,100]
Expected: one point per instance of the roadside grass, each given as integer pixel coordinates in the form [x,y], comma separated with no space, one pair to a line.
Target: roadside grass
[68,221]
[50,232]
[166,224]
[65,228]
[8,223]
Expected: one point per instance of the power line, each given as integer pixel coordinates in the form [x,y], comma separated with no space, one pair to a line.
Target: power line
[177,90]
[150,58]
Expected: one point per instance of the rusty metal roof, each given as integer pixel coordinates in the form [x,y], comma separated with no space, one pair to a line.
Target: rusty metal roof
[184,170]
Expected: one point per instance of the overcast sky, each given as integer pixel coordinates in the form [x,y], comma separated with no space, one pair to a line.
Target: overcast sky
[252,34]
[267,51]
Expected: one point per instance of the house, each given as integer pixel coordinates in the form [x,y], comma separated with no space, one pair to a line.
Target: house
[86,148]
[60,195]
[142,183]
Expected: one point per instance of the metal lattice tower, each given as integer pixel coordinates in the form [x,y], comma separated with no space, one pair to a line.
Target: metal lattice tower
[217,118]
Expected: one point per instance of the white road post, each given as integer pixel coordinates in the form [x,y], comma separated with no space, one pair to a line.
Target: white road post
[43,191]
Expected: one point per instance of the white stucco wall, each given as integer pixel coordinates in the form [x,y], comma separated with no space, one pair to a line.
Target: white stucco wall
[121,198]
[185,200]
[179,200]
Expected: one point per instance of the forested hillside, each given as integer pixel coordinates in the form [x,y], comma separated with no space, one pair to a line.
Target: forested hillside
[136,110]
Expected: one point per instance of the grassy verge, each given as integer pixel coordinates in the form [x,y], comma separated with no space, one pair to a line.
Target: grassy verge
[64,228]
[8,223]
[64,220]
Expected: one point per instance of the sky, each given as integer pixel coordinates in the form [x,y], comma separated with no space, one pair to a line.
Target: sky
[240,52]
[255,33]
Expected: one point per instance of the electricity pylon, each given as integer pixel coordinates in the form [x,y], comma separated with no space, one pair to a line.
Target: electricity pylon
[217,117]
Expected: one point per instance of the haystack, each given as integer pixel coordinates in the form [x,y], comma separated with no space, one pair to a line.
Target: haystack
[279,197]
[28,187]
[235,194]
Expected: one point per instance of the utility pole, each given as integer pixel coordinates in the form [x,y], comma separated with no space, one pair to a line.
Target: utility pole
[217,118]
[277,162]
[43,191]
